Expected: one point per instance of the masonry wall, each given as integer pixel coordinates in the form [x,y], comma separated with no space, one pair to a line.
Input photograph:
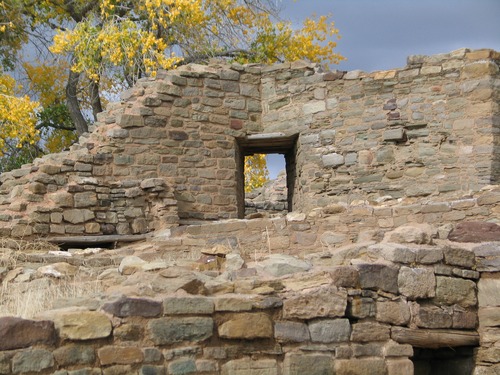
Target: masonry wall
[368,317]
[427,131]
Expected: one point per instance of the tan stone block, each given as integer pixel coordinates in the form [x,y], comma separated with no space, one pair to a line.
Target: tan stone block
[247,326]
[92,228]
[247,366]
[81,325]
[312,304]
[123,355]
[489,316]
[360,366]
[399,367]
[480,68]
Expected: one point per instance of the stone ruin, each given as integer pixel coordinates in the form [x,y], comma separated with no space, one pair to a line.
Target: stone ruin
[391,179]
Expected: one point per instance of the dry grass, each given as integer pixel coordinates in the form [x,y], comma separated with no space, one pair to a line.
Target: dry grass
[28,299]
[14,251]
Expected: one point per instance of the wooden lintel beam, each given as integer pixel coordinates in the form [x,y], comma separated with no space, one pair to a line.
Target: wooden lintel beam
[95,240]
[434,338]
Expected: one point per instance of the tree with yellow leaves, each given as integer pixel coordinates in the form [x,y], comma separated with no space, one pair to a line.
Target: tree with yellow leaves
[255,171]
[124,40]
[130,39]
[17,116]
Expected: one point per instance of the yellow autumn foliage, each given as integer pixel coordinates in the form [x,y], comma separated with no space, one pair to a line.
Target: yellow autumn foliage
[146,35]
[17,115]
[256,172]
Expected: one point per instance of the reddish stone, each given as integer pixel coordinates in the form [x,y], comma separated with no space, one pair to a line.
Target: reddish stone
[393,116]
[332,76]
[133,307]
[475,231]
[236,124]
[109,355]
[16,333]
[178,135]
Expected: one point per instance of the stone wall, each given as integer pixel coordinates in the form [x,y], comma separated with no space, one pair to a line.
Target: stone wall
[427,131]
[370,313]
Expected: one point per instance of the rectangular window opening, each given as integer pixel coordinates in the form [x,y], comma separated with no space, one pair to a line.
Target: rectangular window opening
[276,152]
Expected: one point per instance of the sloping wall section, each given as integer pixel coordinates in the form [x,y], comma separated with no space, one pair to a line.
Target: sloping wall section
[172,151]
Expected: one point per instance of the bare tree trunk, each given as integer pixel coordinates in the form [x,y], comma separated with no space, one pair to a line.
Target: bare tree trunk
[95,99]
[73,105]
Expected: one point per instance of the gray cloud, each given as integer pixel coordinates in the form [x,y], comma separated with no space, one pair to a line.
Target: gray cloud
[380,34]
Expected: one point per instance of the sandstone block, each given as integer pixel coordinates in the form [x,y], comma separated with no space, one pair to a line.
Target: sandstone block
[370,331]
[360,366]
[394,252]
[399,366]
[247,366]
[182,366]
[311,364]
[487,257]
[37,188]
[377,276]
[314,107]
[393,349]
[109,370]
[126,306]
[291,332]
[170,330]
[233,303]
[122,355]
[393,312]
[129,121]
[360,307]
[152,370]
[394,135]
[332,160]
[22,333]
[432,317]
[489,316]
[85,199]
[459,257]
[82,325]
[428,255]
[32,361]
[488,292]
[325,301]
[74,354]
[475,231]
[452,291]
[247,326]
[415,283]
[5,363]
[464,318]
[346,276]
[330,330]
[187,305]
[281,264]
[418,233]
[78,216]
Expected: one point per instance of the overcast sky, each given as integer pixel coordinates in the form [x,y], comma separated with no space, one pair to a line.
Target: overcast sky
[380,34]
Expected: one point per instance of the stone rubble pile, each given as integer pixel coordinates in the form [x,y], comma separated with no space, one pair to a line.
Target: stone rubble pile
[269,200]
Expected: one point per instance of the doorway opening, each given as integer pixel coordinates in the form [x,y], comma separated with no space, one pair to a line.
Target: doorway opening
[443,361]
[271,199]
